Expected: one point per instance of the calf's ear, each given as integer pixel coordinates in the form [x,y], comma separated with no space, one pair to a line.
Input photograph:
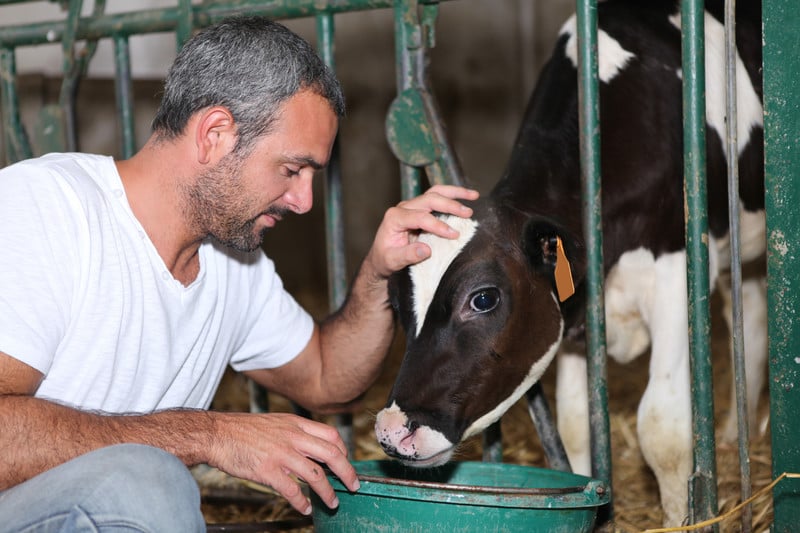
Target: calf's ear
[554,253]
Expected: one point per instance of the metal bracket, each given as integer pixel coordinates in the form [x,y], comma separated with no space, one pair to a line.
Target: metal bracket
[414,127]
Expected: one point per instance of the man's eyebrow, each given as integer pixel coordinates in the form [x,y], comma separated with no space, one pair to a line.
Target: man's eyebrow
[305,160]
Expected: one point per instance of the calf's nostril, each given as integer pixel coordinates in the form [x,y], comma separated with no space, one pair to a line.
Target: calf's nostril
[412,425]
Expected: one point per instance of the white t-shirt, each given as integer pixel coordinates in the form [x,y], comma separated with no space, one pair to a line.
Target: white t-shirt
[86,299]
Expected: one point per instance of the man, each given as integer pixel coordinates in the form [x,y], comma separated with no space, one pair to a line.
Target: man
[127,287]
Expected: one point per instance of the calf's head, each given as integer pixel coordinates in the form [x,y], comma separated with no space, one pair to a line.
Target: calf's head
[483,320]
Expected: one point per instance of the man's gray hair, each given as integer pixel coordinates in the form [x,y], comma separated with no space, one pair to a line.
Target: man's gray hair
[251,66]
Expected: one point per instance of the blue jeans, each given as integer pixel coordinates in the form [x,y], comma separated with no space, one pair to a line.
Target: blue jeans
[122,488]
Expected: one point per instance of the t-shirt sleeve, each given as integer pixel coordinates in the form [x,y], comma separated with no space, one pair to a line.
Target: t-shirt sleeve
[276,327]
[40,221]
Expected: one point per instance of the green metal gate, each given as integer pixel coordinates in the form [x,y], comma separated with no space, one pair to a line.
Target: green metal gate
[782,155]
[428,151]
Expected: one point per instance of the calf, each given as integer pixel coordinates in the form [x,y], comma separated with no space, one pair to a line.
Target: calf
[487,313]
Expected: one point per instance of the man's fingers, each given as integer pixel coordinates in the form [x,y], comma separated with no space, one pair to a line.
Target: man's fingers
[290,489]
[420,220]
[433,201]
[327,449]
[327,433]
[395,246]
[399,258]
[455,192]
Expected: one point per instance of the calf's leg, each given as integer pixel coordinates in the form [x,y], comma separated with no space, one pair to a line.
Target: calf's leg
[664,416]
[572,403]
[754,322]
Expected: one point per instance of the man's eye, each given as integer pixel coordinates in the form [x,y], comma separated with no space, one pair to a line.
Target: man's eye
[290,172]
[484,300]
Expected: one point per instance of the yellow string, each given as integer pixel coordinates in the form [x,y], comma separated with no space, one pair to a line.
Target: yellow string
[733,511]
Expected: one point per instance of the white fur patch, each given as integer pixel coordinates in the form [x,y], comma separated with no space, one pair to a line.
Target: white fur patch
[752,238]
[425,276]
[628,293]
[572,400]
[611,57]
[631,297]
[749,112]
[535,372]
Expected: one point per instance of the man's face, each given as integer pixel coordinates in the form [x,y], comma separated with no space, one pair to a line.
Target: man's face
[238,199]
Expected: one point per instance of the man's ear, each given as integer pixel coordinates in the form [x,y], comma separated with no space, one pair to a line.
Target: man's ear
[215,134]
[551,251]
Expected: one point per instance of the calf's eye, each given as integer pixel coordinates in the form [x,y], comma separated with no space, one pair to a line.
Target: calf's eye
[484,300]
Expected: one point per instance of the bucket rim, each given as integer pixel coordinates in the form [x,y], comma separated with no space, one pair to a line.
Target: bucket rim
[576,491]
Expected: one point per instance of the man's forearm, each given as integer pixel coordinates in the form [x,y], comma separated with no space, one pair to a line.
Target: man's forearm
[38,435]
[356,339]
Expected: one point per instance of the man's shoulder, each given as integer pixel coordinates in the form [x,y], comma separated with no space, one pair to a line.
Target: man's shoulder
[60,163]
[65,164]
[59,174]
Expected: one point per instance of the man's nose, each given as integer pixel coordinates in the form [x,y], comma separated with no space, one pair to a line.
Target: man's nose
[300,196]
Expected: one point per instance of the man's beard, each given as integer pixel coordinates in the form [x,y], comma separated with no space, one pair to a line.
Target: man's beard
[217,204]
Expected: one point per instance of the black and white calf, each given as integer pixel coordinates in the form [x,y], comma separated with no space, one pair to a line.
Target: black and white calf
[482,315]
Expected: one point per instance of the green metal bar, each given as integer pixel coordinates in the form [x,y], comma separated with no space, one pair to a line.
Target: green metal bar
[542,417]
[414,126]
[337,272]
[185,23]
[124,94]
[17,146]
[168,18]
[740,372]
[408,40]
[69,83]
[334,220]
[447,169]
[702,484]
[589,119]
[782,174]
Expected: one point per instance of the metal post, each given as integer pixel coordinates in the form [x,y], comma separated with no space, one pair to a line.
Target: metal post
[71,74]
[732,151]
[553,447]
[17,146]
[334,220]
[408,40]
[702,484]
[124,95]
[782,174]
[337,272]
[589,119]
[185,23]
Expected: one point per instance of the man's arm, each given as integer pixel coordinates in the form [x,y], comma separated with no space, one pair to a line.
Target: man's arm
[38,435]
[344,356]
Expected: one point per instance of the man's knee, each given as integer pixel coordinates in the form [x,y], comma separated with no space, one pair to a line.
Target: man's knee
[127,487]
[148,486]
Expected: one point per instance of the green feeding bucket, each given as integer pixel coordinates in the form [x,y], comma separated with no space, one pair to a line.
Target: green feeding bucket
[464,497]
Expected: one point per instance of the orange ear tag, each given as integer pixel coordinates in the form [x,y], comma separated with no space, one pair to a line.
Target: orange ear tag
[564,285]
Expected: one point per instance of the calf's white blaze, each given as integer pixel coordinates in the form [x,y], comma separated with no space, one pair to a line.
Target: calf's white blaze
[425,276]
